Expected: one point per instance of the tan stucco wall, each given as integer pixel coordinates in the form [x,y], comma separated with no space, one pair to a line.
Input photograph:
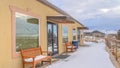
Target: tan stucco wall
[71,27]
[81,37]
[6,60]
[81,33]
[70,35]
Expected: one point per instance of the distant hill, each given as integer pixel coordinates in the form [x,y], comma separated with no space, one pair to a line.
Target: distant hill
[103,24]
[105,27]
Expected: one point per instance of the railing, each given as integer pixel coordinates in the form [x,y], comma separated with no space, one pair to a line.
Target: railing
[114,47]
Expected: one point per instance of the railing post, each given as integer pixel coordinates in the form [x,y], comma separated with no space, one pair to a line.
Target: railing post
[116,48]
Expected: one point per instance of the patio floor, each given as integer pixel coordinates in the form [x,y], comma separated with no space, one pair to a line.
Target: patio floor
[92,55]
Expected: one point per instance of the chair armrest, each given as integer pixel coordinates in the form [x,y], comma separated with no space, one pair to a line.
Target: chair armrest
[29,56]
[48,52]
[44,51]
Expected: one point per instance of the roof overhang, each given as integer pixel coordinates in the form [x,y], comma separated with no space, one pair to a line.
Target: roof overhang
[45,2]
[60,19]
[82,28]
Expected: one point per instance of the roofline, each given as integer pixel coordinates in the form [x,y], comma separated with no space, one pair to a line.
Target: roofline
[58,10]
[83,28]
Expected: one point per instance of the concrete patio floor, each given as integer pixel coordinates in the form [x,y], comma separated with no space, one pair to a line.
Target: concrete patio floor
[92,55]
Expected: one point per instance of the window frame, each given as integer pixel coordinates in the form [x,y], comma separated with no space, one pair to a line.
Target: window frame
[13,10]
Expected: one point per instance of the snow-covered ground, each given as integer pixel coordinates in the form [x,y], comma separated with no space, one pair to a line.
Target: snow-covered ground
[92,56]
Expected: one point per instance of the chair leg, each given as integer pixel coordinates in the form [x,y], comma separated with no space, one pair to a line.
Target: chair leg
[71,49]
[42,63]
[50,60]
[23,65]
[33,65]
[66,49]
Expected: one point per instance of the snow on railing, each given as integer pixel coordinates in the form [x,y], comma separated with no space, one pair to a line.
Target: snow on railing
[114,47]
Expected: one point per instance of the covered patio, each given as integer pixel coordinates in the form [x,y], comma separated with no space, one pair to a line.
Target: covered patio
[92,55]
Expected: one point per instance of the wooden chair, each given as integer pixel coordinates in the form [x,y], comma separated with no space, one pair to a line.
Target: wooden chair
[34,56]
[70,47]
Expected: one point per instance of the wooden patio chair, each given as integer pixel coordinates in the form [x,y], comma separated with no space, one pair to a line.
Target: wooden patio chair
[34,56]
[70,47]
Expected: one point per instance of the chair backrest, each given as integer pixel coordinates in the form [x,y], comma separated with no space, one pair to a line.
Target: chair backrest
[31,52]
[68,44]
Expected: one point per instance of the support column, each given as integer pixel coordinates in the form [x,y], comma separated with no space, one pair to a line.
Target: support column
[81,37]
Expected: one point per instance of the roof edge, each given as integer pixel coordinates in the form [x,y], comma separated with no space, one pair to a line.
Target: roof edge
[58,10]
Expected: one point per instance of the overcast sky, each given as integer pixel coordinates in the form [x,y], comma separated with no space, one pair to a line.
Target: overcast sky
[96,14]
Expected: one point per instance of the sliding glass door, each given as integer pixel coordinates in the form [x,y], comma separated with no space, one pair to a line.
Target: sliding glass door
[52,38]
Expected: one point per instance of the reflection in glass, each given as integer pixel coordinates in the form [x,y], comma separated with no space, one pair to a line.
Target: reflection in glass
[74,34]
[50,47]
[78,35]
[55,39]
[65,33]
[27,31]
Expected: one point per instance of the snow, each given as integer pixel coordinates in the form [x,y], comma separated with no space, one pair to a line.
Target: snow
[93,55]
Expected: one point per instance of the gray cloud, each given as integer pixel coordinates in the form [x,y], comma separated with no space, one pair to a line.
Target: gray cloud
[95,14]
[86,9]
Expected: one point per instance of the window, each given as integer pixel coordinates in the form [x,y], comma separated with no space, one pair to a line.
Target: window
[74,34]
[65,33]
[78,33]
[27,31]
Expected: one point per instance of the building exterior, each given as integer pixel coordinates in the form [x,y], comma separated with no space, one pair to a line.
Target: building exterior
[93,36]
[94,33]
[87,34]
[32,23]
[98,34]
[112,36]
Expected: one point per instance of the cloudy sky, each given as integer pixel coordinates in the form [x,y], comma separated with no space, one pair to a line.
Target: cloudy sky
[95,14]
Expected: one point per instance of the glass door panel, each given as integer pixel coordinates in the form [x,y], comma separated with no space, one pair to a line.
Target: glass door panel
[74,34]
[53,38]
[50,47]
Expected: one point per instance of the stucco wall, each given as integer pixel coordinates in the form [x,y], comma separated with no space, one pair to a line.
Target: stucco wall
[6,60]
